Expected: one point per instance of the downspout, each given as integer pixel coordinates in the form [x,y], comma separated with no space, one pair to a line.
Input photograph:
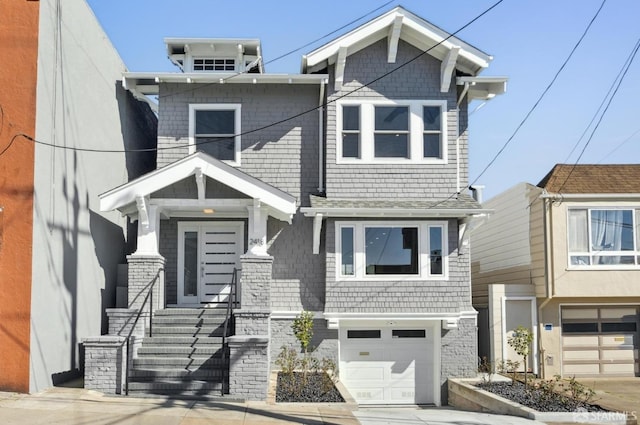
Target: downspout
[321,109]
[465,89]
[549,289]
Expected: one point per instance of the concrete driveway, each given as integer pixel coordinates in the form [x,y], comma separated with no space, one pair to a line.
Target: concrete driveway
[616,394]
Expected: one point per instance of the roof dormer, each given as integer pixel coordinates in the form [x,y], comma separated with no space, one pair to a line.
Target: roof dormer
[216,55]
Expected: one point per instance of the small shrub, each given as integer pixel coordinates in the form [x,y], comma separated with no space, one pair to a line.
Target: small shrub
[485,367]
[521,341]
[303,329]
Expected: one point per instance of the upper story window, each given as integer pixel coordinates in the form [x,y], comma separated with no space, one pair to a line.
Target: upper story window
[215,130]
[603,237]
[214,64]
[391,131]
[383,250]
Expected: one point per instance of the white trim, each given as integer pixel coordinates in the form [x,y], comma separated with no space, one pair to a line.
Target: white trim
[236,107]
[283,205]
[415,30]
[293,314]
[446,68]
[400,316]
[415,133]
[393,38]
[534,328]
[394,212]
[340,64]
[592,196]
[424,259]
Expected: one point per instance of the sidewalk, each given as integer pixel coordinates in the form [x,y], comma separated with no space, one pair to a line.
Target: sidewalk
[72,406]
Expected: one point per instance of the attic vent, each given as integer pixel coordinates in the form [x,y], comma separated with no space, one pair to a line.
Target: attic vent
[211,64]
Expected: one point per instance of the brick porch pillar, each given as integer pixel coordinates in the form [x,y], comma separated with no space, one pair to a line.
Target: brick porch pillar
[249,348]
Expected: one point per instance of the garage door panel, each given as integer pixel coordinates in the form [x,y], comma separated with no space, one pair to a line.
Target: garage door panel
[617,341]
[582,355]
[618,354]
[619,368]
[581,340]
[582,369]
[402,393]
[361,371]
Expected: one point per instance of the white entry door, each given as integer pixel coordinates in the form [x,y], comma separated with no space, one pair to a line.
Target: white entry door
[208,253]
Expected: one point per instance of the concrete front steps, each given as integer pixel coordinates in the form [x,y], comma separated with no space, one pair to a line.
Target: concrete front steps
[184,356]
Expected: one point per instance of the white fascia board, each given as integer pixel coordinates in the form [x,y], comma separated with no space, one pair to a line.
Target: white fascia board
[483,87]
[402,316]
[132,78]
[392,212]
[282,202]
[378,28]
[592,196]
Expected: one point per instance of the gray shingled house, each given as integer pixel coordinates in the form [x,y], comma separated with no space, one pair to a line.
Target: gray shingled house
[332,191]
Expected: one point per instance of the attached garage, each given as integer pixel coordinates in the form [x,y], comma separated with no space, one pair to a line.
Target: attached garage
[600,341]
[390,364]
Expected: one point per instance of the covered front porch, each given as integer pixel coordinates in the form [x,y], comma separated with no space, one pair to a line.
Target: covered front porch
[199,223]
[196,219]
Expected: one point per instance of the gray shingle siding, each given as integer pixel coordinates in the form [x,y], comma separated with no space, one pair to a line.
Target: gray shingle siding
[419,79]
[284,155]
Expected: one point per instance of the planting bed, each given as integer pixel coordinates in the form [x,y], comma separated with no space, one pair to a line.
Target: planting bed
[318,388]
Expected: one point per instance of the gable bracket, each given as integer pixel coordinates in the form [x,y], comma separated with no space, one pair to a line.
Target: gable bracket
[340,63]
[447,67]
[317,229]
[201,183]
[393,38]
[143,211]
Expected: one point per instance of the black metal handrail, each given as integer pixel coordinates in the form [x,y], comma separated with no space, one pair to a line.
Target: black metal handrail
[233,299]
[148,297]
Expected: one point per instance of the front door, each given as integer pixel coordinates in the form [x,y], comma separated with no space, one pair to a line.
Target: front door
[208,253]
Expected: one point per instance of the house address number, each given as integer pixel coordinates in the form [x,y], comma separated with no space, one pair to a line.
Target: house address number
[258,242]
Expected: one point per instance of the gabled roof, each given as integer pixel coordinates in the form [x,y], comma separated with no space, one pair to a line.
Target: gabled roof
[397,24]
[282,204]
[593,179]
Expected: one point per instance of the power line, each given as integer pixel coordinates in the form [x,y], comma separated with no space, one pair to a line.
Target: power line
[535,105]
[281,56]
[77,149]
[619,145]
[584,148]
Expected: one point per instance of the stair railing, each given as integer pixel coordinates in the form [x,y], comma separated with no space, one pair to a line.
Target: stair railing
[148,297]
[233,299]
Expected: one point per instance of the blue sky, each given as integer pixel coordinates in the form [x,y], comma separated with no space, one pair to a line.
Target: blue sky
[529,41]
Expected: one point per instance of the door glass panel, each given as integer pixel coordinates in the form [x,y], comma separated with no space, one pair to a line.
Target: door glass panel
[190,264]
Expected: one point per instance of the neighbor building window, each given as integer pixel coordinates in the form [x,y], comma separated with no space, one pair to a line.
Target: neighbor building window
[391,131]
[215,130]
[603,237]
[372,250]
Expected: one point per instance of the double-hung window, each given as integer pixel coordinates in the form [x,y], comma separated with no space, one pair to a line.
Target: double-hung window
[374,250]
[602,237]
[383,131]
[215,130]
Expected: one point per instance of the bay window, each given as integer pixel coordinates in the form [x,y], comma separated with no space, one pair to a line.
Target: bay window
[603,237]
[377,250]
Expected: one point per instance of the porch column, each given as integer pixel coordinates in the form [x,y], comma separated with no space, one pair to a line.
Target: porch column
[145,264]
[257,237]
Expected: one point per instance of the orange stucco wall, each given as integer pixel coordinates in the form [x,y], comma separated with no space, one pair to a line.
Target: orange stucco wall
[18,78]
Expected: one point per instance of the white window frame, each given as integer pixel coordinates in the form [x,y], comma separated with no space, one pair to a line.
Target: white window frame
[236,107]
[424,259]
[213,58]
[635,214]
[416,131]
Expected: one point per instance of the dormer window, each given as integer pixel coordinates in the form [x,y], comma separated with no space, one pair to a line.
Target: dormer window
[214,64]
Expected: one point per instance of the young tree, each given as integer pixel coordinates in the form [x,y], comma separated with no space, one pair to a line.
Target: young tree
[520,341]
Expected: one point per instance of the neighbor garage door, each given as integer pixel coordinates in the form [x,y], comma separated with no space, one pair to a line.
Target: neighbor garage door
[388,365]
[600,341]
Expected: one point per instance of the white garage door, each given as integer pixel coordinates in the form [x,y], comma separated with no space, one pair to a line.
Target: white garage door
[600,341]
[387,365]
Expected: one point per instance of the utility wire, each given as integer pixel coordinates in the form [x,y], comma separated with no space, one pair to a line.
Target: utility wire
[77,149]
[281,56]
[619,145]
[584,148]
[535,105]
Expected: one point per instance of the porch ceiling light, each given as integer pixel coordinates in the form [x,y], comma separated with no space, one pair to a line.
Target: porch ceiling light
[208,210]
